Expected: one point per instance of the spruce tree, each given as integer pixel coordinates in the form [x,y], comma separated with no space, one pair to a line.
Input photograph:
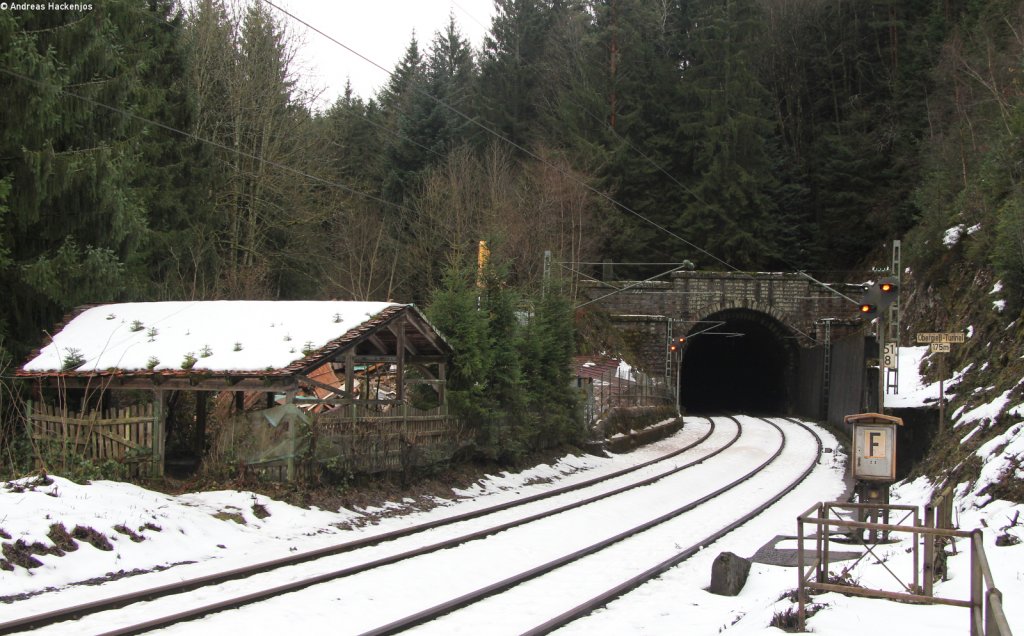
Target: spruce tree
[510,68]
[547,358]
[74,218]
[454,310]
[403,156]
[732,203]
[511,424]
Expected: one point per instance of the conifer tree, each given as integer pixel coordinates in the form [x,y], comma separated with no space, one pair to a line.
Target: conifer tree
[511,60]
[547,356]
[450,76]
[403,156]
[74,219]
[732,203]
[454,310]
[510,425]
[174,179]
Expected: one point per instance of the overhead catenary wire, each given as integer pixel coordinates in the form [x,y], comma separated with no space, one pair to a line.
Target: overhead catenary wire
[216,144]
[491,131]
[350,189]
[699,199]
[456,111]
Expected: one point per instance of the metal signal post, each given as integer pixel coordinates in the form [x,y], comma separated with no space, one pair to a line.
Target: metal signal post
[874,304]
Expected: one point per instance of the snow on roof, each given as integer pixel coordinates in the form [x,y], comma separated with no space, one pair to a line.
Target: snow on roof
[223,335]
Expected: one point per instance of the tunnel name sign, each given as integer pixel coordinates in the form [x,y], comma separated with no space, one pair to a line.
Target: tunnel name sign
[874,446]
[955,337]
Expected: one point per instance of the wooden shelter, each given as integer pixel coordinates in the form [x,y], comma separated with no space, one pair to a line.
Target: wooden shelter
[317,359]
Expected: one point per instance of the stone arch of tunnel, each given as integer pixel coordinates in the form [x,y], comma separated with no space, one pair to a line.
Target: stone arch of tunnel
[755,372]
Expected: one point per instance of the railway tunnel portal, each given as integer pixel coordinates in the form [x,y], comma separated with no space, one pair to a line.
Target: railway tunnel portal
[753,341]
[739,360]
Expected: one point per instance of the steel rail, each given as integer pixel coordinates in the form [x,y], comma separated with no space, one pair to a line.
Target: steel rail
[293,586]
[80,610]
[629,585]
[451,605]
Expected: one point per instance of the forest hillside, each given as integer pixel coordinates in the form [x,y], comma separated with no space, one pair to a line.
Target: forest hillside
[151,150]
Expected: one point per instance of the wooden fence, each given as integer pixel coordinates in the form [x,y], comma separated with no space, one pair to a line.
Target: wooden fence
[350,440]
[364,442]
[124,435]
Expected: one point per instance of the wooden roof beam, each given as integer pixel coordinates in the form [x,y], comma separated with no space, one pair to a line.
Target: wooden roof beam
[402,338]
[320,385]
[375,340]
[427,333]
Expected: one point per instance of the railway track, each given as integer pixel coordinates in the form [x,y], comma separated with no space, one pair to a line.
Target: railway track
[527,590]
[608,481]
[366,570]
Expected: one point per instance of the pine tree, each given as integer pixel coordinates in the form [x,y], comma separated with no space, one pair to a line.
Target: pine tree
[403,157]
[732,203]
[510,65]
[454,310]
[74,218]
[547,355]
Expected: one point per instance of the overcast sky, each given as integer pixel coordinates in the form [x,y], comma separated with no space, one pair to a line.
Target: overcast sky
[377,29]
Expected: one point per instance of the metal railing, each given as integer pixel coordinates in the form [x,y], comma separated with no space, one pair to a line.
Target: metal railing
[985,605]
[938,513]
[612,390]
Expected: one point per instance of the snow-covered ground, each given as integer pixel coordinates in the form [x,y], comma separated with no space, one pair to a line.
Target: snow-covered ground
[200,533]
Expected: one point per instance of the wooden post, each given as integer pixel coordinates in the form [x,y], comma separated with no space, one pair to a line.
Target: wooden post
[942,392]
[400,363]
[400,375]
[823,546]
[292,423]
[442,376]
[158,433]
[800,576]
[350,363]
[977,591]
[199,441]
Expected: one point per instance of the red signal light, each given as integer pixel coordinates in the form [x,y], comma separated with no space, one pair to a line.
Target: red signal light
[867,308]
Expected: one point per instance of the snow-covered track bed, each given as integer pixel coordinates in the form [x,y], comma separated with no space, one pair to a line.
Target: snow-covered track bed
[549,595]
[374,550]
[551,548]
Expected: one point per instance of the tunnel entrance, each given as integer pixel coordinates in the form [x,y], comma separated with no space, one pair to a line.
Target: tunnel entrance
[747,364]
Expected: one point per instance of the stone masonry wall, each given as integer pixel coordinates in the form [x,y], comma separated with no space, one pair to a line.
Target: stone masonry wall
[649,313]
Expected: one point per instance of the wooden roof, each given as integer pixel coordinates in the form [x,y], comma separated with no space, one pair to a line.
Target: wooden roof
[872,418]
[375,339]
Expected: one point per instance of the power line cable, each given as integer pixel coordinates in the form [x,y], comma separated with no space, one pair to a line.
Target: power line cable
[508,141]
[215,144]
[700,200]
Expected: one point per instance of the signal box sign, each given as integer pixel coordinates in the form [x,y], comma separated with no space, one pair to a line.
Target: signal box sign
[874,446]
